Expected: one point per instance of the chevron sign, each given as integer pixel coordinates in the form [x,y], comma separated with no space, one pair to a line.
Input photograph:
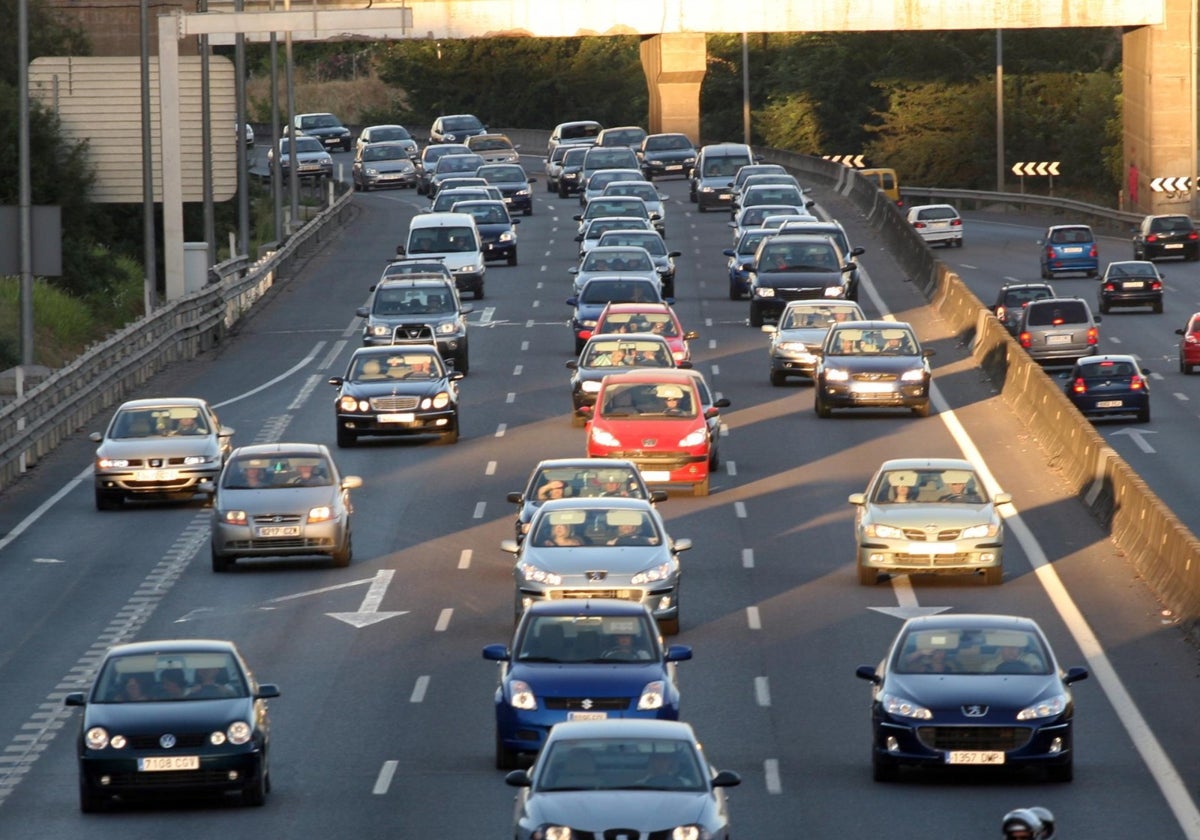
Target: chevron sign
[1182,184]
[853,161]
[1041,168]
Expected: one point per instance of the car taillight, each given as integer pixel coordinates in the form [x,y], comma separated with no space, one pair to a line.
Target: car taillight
[1057,322]
[956,223]
[918,224]
[1156,285]
[1025,339]
[1095,252]
[1049,253]
[1136,383]
[1108,287]
[1093,335]
[1152,237]
[1191,338]
[1080,387]
[1192,235]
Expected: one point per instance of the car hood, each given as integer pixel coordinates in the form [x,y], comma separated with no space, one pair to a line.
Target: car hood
[608,679]
[874,363]
[634,432]
[798,279]
[615,560]
[595,374]
[395,387]
[165,447]
[275,499]
[810,336]
[169,715]
[327,131]
[308,157]
[595,810]
[920,514]
[949,692]
[493,229]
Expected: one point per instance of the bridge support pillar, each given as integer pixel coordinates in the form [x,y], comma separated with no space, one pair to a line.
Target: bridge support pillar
[674,65]
[1160,105]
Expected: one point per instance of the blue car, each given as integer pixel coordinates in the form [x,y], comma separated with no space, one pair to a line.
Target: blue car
[741,259]
[1110,385]
[1069,248]
[589,659]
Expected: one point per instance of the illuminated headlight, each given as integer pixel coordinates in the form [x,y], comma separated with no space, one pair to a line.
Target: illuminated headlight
[381,330]
[96,738]
[903,707]
[704,189]
[349,403]
[238,732]
[689,161]
[1049,707]
[679,355]
[111,463]
[655,162]
[589,324]
[522,192]
[657,573]
[792,347]
[689,832]
[321,513]
[695,438]
[602,438]
[652,696]
[235,517]
[553,832]
[447,328]
[507,236]
[917,375]
[325,160]
[884,532]
[977,531]
[764,291]
[523,697]
[837,375]
[590,387]
[835,291]
[441,400]
[537,574]
[372,172]
[193,460]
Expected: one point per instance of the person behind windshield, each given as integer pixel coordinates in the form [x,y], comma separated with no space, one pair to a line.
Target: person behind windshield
[562,534]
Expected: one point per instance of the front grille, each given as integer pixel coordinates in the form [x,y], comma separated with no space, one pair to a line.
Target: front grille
[995,738]
[395,403]
[800,294]
[874,377]
[413,334]
[621,834]
[275,543]
[932,561]
[185,741]
[619,594]
[168,779]
[588,704]
[277,519]
[918,535]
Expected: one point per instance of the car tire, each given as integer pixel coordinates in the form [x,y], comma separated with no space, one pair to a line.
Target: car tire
[346,437]
[756,316]
[343,556]
[867,576]
[1061,772]
[107,500]
[993,576]
[255,794]
[1144,415]
[551,186]
[700,206]
[220,564]
[506,759]
[883,770]
[1185,368]
[90,803]
[512,257]
[921,410]
[479,293]
[528,211]
[1046,274]
[578,420]
[462,362]
[1157,306]
[823,411]
[451,437]
[777,378]
[734,292]
[562,193]
[1104,307]
[669,626]
[701,488]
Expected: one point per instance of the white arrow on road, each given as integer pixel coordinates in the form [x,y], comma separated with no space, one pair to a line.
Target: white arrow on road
[1138,437]
[368,613]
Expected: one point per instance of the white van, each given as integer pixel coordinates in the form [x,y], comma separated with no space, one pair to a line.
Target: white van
[453,239]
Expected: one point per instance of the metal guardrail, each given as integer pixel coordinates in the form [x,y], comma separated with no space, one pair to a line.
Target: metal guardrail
[1101,218]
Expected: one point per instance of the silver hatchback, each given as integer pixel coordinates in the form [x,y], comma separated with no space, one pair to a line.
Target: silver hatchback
[1059,330]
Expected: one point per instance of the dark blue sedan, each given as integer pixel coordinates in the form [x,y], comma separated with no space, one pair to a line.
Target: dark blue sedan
[1109,386]
[590,659]
[970,692]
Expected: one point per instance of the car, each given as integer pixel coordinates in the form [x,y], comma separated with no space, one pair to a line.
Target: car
[788,193]
[615,260]
[312,161]
[402,267]
[664,260]
[1130,283]
[710,180]
[832,228]
[601,178]
[1110,385]
[453,166]
[581,133]
[614,205]
[797,267]
[752,217]
[1171,235]
[159,448]
[741,258]
[455,128]
[600,291]
[513,183]
[457,182]
[751,169]
[453,239]
[496,228]
[427,163]
[388,133]
[622,135]
[247,135]
[614,353]
[665,155]
[872,364]
[1058,330]
[449,198]
[570,174]
[607,157]
[589,659]
[1012,299]
[494,148]
[383,165]
[139,737]
[654,200]
[780,177]
[654,318]
[396,391]
[1189,345]
[655,419]
[801,330]
[418,309]
[553,167]
[595,229]
[655,769]
[923,516]
[327,128]
[1069,249]
[610,547]
[886,181]
[937,224]
[1002,702]
[282,500]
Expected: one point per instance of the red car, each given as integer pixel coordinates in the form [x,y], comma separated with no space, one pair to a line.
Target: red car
[1189,345]
[655,419]
[656,318]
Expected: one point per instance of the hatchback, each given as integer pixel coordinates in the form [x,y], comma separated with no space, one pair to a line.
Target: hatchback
[938,224]
[1189,345]
[1110,385]
[1166,236]
[1069,248]
[1059,330]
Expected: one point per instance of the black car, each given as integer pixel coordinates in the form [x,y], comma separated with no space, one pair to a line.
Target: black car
[418,309]
[797,267]
[396,391]
[570,176]
[455,128]
[1014,297]
[513,183]
[613,353]
[175,716]
[325,127]
[1130,283]
[427,163]
[833,229]
[1110,385]
[666,154]
[871,364]
[971,691]
[496,228]
[1166,236]
[598,292]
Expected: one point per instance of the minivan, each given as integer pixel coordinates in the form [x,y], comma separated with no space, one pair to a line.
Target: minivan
[453,239]
[1058,330]
[887,182]
[712,176]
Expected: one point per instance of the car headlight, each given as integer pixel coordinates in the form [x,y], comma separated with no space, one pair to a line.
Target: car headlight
[470,268]
[764,291]
[654,162]
[588,323]
[705,189]
[350,404]
[523,697]
[884,532]
[235,517]
[903,707]
[96,738]
[522,192]
[441,400]
[552,832]
[381,330]
[325,160]
[447,328]
[695,438]
[602,438]
[916,375]
[837,375]
[194,460]
[656,573]
[321,513]
[590,387]
[977,531]
[792,347]
[652,696]
[690,832]
[507,236]
[1049,707]
[111,463]
[835,291]
[372,172]
[536,574]
[239,732]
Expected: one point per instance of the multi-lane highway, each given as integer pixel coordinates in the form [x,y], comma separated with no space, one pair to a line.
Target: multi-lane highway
[385,730]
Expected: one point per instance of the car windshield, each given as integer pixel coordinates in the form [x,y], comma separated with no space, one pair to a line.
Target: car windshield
[159,421]
[624,353]
[604,157]
[407,365]
[1020,297]
[778,256]
[854,341]
[579,131]
[649,322]
[646,191]
[772,195]
[809,316]
[623,291]
[594,638]
[463,123]
[595,528]
[443,240]
[623,136]
[648,399]
[559,482]
[157,677]
[976,651]
[413,301]
[384,153]
[618,260]
[303,144]
[598,227]
[279,470]
[723,165]
[617,206]
[652,242]
[1060,236]
[382,135]
[930,486]
[667,142]
[490,144]
[620,764]
[320,121]
[459,163]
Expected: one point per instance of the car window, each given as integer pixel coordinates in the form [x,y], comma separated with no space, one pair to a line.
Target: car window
[1106,370]
[1063,236]
[1059,312]
[200,675]
[973,651]
[935,213]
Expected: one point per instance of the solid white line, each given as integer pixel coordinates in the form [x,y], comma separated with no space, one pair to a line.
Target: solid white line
[419,689]
[464,559]
[443,620]
[41,509]
[299,365]
[762,691]
[384,780]
[771,772]
[747,558]
[752,619]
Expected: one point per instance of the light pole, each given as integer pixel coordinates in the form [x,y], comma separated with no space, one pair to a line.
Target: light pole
[999,110]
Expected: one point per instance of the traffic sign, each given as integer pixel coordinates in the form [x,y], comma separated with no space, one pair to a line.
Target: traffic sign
[1039,168]
[853,161]
[1177,184]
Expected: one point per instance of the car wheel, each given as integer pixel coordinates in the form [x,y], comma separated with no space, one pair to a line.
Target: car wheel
[756,316]
[343,556]
[479,292]
[462,362]
[700,206]
[512,257]
[1061,772]
[1185,368]
[700,488]
[451,437]
[345,145]
[578,420]
[823,411]
[921,410]
[1193,257]
[1144,415]
[528,211]
[993,576]
[562,193]
[1157,307]
[346,437]
[220,564]
[734,292]
[506,759]
[669,626]
[1045,274]
[867,576]
[106,500]
[551,186]
[777,378]
[255,794]
[883,770]
[90,803]
[958,243]
[1104,307]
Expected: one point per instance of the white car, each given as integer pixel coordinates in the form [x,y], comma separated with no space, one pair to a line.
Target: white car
[938,224]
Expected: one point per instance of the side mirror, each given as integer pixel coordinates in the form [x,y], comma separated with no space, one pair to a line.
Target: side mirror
[516,497]
[510,546]
[362,312]
[866,672]
[857,498]
[691,335]
[336,381]
[467,309]
[351,482]
[572,364]
[659,495]
[96,437]
[496,653]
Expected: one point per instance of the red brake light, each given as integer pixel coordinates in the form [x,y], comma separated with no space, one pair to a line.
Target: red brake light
[956,223]
[1136,383]
[1108,287]
[1049,253]
[1025,339]
[1057,322]
[1152,237]
[1192,235]
[1106,364]
[1080,387]
[1095,252]
[1093,335]
[1155,285]
[918,224]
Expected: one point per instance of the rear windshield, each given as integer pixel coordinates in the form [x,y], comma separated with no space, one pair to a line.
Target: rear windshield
[1062,312]
[1106,370]
[575,132]
[1064,236]
[1171,223]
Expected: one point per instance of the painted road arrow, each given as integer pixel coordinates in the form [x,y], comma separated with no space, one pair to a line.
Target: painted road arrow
[368,613]
[1138,437]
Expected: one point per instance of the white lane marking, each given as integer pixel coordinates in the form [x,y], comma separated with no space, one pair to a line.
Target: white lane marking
[368,612]
[490,469]
[1180,397]
[511,397]
[384,780]
[517,370]
[524,346]
[45,506]
[747,558]
[712,344]
[464,559]
[419,689]
[443,620]
[264,386]
[529,323]
[1139,437]
[739,509]
[331,356]
[1114,339]
[536,304]
[305,393]
[753,621]
[501,429]
[716,370]
[771,772]
[762,691]
[905,596]
[723,430]
[731,468]
[708,322]
[480,507]
[488,314]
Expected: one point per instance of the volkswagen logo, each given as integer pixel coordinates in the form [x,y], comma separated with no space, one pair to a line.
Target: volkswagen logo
[974,711]
[167,741]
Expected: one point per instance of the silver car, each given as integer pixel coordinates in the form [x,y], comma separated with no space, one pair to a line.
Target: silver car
[648,193]
[282,499]
[612,261]
[599,548]
[801,331]
[159,449]
[928,516]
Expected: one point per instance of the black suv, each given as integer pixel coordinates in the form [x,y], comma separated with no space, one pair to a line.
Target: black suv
[1012,299]
[1058,330]
[1166,236]
[418,309]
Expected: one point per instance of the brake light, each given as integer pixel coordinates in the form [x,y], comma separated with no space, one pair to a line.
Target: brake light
[1136,383]
[1192,235]
[1109,287]
[1049,253]
[1095,252]
[1155,285]
[1080,387]
[918,224]
[1057,322]
[956,223]
[1093,335]
[1152,237]
[1025,339]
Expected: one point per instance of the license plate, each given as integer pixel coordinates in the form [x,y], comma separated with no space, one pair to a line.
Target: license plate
[871,387]
[1134,284]
[157,763]
[656,475]
[397,418]
[1072,250]
[724,196]
[1110,404]
[587,715]
[278,531]
[974,757]
[1173,245]
[1061,338]
[156,475]
[933,548]
[674,166]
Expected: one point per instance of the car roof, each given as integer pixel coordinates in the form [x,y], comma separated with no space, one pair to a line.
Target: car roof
[266,449]
[159,401]
[648,306]
[876,325]
[1110,357]
[927,464]
[599,463]
[638,337]
[414,281]
[596,502]
[389,349]
[971,620]
[598,606]
[171,646]
[673,376]
[622,728]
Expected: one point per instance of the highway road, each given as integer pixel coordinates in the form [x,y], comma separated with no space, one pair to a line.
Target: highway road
[385,731]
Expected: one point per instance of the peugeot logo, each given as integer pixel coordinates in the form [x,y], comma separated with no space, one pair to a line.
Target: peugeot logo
[650,442]
[975,711]
[156,462]
[167,741]
[596,577]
